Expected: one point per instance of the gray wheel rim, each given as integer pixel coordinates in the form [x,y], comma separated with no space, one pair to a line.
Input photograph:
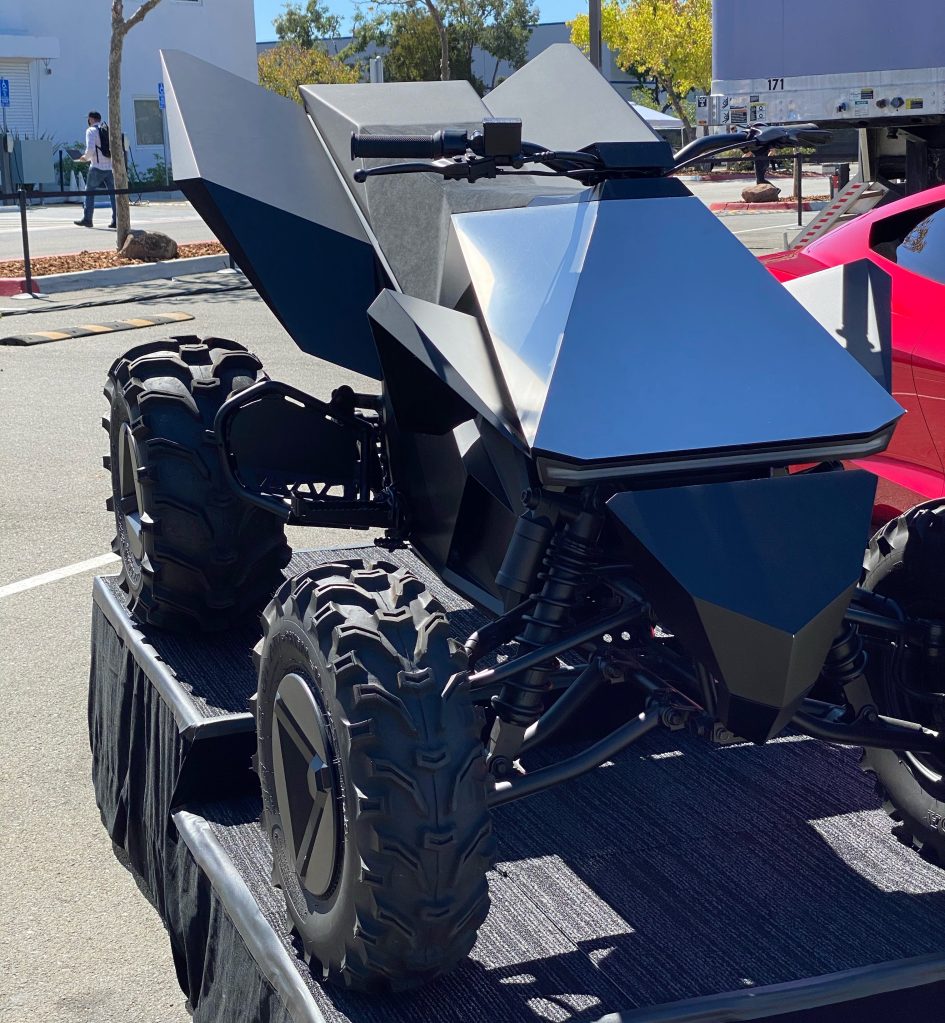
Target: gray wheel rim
[128,499]
[302,760]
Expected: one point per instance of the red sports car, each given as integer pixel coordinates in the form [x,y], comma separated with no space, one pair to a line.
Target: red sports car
[906,239]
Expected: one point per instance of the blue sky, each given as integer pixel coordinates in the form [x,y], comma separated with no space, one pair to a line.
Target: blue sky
[266,10]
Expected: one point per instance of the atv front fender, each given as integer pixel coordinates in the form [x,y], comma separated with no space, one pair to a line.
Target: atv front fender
[753,577]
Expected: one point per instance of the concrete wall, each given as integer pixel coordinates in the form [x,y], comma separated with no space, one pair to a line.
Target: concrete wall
[220,31]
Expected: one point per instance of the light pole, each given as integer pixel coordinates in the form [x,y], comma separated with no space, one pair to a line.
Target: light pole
[594,27]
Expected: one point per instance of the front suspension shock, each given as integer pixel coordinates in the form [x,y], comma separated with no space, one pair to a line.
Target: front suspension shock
[570,556]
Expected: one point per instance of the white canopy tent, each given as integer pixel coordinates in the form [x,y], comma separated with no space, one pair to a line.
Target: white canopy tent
[656,119]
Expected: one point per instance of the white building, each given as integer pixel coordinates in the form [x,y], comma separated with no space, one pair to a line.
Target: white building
[54,53]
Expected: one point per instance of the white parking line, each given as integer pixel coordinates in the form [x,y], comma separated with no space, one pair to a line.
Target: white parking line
[56,574]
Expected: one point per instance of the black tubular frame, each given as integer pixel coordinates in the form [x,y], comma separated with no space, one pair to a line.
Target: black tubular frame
[587,632]
[672,703]
[559,713]
[334,512]
[572,767]
[873,730]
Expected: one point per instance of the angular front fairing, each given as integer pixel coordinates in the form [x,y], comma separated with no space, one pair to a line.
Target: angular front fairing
[618,364]
[753,578]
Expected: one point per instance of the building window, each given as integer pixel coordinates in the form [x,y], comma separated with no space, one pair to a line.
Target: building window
[149,124]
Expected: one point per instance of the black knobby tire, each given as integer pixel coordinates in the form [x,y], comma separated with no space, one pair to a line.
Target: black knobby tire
[906,561]
[194,555]
[402,898]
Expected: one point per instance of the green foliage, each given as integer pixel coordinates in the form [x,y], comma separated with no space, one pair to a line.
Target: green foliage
[413,49]
[306,25]
[157,174]
[409,34]
[644,96]
[506,35]
[287,66]
[669,41]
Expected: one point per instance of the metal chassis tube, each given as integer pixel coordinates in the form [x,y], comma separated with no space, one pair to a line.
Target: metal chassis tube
[528,784]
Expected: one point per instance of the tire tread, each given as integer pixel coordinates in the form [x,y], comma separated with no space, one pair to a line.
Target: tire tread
[211,559]
[417,769]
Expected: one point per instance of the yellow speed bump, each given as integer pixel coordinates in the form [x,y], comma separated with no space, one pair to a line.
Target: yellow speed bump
[41,337]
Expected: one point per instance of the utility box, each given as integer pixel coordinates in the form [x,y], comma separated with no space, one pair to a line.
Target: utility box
[33,161]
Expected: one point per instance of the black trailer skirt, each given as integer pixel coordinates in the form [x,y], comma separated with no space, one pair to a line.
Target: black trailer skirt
[682,882]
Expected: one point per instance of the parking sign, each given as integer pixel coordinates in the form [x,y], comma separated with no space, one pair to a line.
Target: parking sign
[161,94]
[4,92]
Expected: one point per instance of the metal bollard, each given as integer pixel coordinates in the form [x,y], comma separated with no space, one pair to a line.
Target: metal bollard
[797,189]
[28,273]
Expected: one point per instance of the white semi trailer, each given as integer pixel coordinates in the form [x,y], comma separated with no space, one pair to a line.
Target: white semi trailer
[864,64]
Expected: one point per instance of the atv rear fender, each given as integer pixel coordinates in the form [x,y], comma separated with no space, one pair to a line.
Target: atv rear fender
[753,577]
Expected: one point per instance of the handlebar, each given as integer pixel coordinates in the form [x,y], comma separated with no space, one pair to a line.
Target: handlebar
[757,138]
[499,147]
[445,143]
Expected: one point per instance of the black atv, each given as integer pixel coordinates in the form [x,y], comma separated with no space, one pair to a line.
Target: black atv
[604,462]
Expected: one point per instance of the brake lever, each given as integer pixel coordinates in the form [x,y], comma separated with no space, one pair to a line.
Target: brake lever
[460,169]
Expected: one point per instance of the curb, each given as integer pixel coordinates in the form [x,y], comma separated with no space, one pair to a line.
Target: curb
[52,284]
[10,286]
[760,207]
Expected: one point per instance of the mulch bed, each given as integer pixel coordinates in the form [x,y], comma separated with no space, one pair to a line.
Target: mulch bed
[72,263]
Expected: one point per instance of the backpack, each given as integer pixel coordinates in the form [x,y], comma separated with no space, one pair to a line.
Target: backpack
[103,145]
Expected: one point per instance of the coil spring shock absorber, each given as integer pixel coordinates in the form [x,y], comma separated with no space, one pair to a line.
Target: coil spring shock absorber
[570,556]
[846,659]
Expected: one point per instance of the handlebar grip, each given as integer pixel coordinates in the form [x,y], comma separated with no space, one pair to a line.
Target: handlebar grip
[451,142]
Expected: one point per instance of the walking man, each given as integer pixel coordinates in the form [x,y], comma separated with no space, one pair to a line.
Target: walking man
[98,154]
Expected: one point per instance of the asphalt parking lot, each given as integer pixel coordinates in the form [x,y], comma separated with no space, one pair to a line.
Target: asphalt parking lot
[80,943]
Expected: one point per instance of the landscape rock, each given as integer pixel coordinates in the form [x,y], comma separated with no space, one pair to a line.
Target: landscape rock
[765,192]
[151,246]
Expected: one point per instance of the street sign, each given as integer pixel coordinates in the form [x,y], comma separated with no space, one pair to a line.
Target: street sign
[161,94]
[4,92]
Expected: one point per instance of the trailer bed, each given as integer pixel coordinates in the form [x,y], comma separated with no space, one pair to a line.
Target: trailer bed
[681,871]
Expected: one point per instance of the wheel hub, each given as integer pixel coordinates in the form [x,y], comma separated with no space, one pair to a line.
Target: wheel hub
[305,784]
[128,503]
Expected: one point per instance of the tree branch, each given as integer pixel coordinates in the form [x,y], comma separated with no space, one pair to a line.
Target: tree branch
[444,40]
[139,14]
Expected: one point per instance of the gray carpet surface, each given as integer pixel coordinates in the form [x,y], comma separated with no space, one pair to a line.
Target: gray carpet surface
[216,669]
[679,870]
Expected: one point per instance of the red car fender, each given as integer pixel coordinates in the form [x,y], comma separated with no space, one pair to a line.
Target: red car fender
[912,469]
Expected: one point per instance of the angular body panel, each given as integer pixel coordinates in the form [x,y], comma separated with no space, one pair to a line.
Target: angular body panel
[754,578]
[277,204]
[599,372]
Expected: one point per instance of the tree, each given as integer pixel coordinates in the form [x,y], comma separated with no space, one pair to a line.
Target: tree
[669,41]
[507,34]
[429,39]
[307,26]
[121,26]
[287,66]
